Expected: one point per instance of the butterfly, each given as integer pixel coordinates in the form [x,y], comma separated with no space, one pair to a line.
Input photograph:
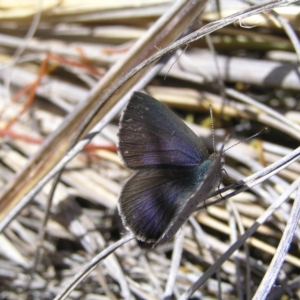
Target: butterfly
[174,171]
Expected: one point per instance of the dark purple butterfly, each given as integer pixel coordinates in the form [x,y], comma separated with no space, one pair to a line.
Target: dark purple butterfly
[174,170]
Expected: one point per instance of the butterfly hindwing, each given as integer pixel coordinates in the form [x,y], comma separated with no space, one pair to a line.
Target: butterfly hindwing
[152,197]
[152,135]
[205,187]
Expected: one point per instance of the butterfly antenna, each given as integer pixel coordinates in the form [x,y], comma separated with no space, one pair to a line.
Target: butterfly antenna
[212,128]
[248,138]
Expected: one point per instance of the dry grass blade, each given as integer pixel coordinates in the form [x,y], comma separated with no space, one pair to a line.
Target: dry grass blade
[89,113]
[92,265]
[281,251]
[261,220]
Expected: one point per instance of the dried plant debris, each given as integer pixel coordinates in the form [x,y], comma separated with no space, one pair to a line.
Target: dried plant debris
[63,65]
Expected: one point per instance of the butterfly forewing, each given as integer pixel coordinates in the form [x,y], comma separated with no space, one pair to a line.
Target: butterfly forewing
[152,135]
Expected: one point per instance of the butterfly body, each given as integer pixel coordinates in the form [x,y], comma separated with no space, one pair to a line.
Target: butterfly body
[170,163]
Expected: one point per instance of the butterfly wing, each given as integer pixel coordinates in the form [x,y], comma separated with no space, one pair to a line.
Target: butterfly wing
[208,184]
[152,135]
[152,197]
